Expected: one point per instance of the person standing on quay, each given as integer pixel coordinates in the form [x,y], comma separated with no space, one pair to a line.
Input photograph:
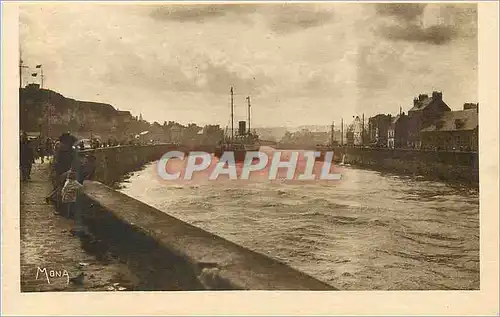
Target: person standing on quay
[49,149]
[41,151]
[65,158]
[70,198]
[26,157]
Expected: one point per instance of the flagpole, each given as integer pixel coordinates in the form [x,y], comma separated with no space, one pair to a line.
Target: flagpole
[41,74]
[20,73]
[21,66]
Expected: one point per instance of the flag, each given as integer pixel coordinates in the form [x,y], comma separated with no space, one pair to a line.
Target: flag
[39,66]
[34,74]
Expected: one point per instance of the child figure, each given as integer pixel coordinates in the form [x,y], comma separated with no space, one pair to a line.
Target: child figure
[69,197]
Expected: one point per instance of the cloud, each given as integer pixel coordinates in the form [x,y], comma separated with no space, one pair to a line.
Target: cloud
[299,62]
[202,75]
[370,72]
[425,23]
[279,18]
[436,34]
[199,13]
[292,18]
[218,77]
[406,11]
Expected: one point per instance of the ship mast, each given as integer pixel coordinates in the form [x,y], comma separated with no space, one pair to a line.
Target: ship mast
[248,99]
[342,131]
[232,115]
[332,133]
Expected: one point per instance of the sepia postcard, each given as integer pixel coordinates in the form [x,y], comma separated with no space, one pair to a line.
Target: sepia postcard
[250,158]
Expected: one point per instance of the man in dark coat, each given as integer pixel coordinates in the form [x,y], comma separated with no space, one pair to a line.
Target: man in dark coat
[66,153]
[26,158]
[48,147]
[65,158]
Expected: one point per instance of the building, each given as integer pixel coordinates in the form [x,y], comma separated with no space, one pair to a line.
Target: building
[453,131]
[378,127]
[212,134]
[425,111]
[320,137]
[354,133]
[123,117]
[31,87]
[397,134]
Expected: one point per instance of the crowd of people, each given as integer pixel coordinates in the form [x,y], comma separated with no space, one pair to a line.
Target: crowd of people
[68,170]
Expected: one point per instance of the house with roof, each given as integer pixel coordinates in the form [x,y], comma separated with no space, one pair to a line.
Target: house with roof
[378,127]
[425,111]
[397,134]
[453,131]
[354,134]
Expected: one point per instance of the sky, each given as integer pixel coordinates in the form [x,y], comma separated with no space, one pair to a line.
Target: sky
[301,64]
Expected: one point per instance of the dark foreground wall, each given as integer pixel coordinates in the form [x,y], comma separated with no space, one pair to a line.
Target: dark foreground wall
[166,253]
[459,167]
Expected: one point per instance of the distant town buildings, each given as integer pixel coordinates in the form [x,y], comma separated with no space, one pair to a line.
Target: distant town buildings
[397,134]
[430,124]
[306,137]
[378,129]
[453,130]
[425,111]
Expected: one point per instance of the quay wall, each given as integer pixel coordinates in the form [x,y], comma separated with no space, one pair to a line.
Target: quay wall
[112,163]
[165,252]
[456,167]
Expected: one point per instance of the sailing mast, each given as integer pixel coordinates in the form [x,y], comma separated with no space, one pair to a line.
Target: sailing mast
[232,115]
[248,99]
[342,131]
[332,135]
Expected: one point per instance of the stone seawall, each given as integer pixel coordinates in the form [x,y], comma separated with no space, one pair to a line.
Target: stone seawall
[169,254]
[112,163]
[456,167]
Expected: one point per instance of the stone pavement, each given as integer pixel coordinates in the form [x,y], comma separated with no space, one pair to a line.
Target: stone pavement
[52,259]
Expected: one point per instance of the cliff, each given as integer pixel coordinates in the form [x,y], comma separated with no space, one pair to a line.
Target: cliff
[46,111]
[50,113]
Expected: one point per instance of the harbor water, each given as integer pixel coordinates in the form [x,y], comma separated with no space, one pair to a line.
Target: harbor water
[369,231]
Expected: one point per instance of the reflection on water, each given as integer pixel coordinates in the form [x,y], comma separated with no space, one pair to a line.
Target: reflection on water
[368,231]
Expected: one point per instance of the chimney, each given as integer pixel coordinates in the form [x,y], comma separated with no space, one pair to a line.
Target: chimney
[415,102]
[422,97]
[400,109]
[469,105]
[437,95]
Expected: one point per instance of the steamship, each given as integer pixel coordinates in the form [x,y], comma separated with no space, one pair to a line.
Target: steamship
[241,143]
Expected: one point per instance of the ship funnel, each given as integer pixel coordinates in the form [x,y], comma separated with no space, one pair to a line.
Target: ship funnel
[242,127]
